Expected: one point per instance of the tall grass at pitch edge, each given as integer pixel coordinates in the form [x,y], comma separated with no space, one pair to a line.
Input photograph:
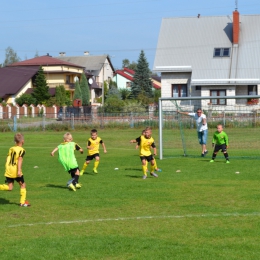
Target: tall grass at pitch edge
[194,210]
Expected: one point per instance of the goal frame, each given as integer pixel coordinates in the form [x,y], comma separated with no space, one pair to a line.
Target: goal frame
[187,99]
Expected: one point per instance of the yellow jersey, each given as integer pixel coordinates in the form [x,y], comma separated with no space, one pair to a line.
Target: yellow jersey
[11,165]
[94,145]
[145,145]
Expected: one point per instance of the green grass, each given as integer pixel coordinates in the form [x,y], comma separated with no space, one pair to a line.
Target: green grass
[205,211]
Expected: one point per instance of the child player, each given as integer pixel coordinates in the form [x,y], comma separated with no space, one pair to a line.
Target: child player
[220,142]
[155,164]
[68,160]
[93,151]
[13,169]
[146,141]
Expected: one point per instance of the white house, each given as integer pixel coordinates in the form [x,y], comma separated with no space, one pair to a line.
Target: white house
[99,66]
[210,56]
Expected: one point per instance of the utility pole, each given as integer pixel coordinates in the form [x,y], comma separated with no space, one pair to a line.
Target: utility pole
[103,88]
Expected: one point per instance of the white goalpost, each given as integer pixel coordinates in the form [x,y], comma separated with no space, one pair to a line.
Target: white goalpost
[239,115]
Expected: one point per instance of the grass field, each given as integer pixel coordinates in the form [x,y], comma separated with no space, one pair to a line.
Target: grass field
[205,211]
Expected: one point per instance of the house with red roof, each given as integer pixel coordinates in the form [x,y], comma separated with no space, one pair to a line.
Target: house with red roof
[19,77]
[124,77]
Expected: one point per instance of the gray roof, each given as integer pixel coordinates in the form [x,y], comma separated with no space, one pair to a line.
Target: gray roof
[187,44]
[91,63]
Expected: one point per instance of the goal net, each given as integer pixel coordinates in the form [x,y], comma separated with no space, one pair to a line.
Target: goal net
[239,115]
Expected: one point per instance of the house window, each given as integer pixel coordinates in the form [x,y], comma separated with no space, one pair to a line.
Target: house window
[179,90]
[221,52]
[218,93]
[67,79]
[128,84]
[198,88]
[252,90]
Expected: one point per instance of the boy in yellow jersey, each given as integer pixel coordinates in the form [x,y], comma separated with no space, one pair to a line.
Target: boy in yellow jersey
[146,143]
[93,151]
[68,160]
[155,164]
[13,169]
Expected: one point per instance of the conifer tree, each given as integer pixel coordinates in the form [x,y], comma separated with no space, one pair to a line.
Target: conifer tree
[77,92]
[142,83]
[60,95]
[41,92]
[84,90]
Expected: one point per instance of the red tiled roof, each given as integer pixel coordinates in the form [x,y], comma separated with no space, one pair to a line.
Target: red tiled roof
[129,71]
[44,61]
[127,76]
[121,72]
[14,78]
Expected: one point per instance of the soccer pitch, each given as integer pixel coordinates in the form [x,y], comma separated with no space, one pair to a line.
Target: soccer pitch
[194,210]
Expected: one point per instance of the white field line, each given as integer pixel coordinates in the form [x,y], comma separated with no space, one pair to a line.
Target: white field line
[139,218]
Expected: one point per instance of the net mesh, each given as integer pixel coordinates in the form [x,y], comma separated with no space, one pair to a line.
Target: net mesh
[240,122]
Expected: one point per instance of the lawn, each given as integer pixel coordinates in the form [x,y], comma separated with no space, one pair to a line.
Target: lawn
[194,210]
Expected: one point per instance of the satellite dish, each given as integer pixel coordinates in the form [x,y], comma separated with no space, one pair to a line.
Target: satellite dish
[76,79]
[90,81]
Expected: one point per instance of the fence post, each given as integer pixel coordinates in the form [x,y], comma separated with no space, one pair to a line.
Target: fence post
[72,120]
[131,120]
[43,122]
[15,124]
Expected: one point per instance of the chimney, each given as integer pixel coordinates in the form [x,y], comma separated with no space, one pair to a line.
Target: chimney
[235,27]
[62,53]
[86,52]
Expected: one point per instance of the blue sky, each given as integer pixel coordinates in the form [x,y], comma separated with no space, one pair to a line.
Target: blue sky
[115,27]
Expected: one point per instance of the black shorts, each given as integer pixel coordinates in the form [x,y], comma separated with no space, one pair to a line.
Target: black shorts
[91,157]
[73,171]
[221,147]
[147,158]
[20,180]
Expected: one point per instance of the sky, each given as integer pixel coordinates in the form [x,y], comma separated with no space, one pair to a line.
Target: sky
[118,28]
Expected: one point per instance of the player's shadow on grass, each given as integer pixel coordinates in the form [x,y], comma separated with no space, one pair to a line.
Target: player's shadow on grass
[56,186]
[133,169]
[4,202]
[89,173]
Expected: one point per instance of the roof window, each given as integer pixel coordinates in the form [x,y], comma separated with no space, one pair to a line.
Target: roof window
[221,52]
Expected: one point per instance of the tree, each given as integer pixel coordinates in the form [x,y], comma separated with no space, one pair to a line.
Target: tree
[10,56]
[84,90]
[26,99]
[61,96]
[125,93]
[126,64]
[133,66]
[113,104]
[41,92]
[134,106]
[142,83]
[113,92]
[77,92]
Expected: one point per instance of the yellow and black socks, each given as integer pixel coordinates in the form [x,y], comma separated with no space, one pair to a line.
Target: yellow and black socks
[144,167]
[96,163]
[84,166]
[22,195]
